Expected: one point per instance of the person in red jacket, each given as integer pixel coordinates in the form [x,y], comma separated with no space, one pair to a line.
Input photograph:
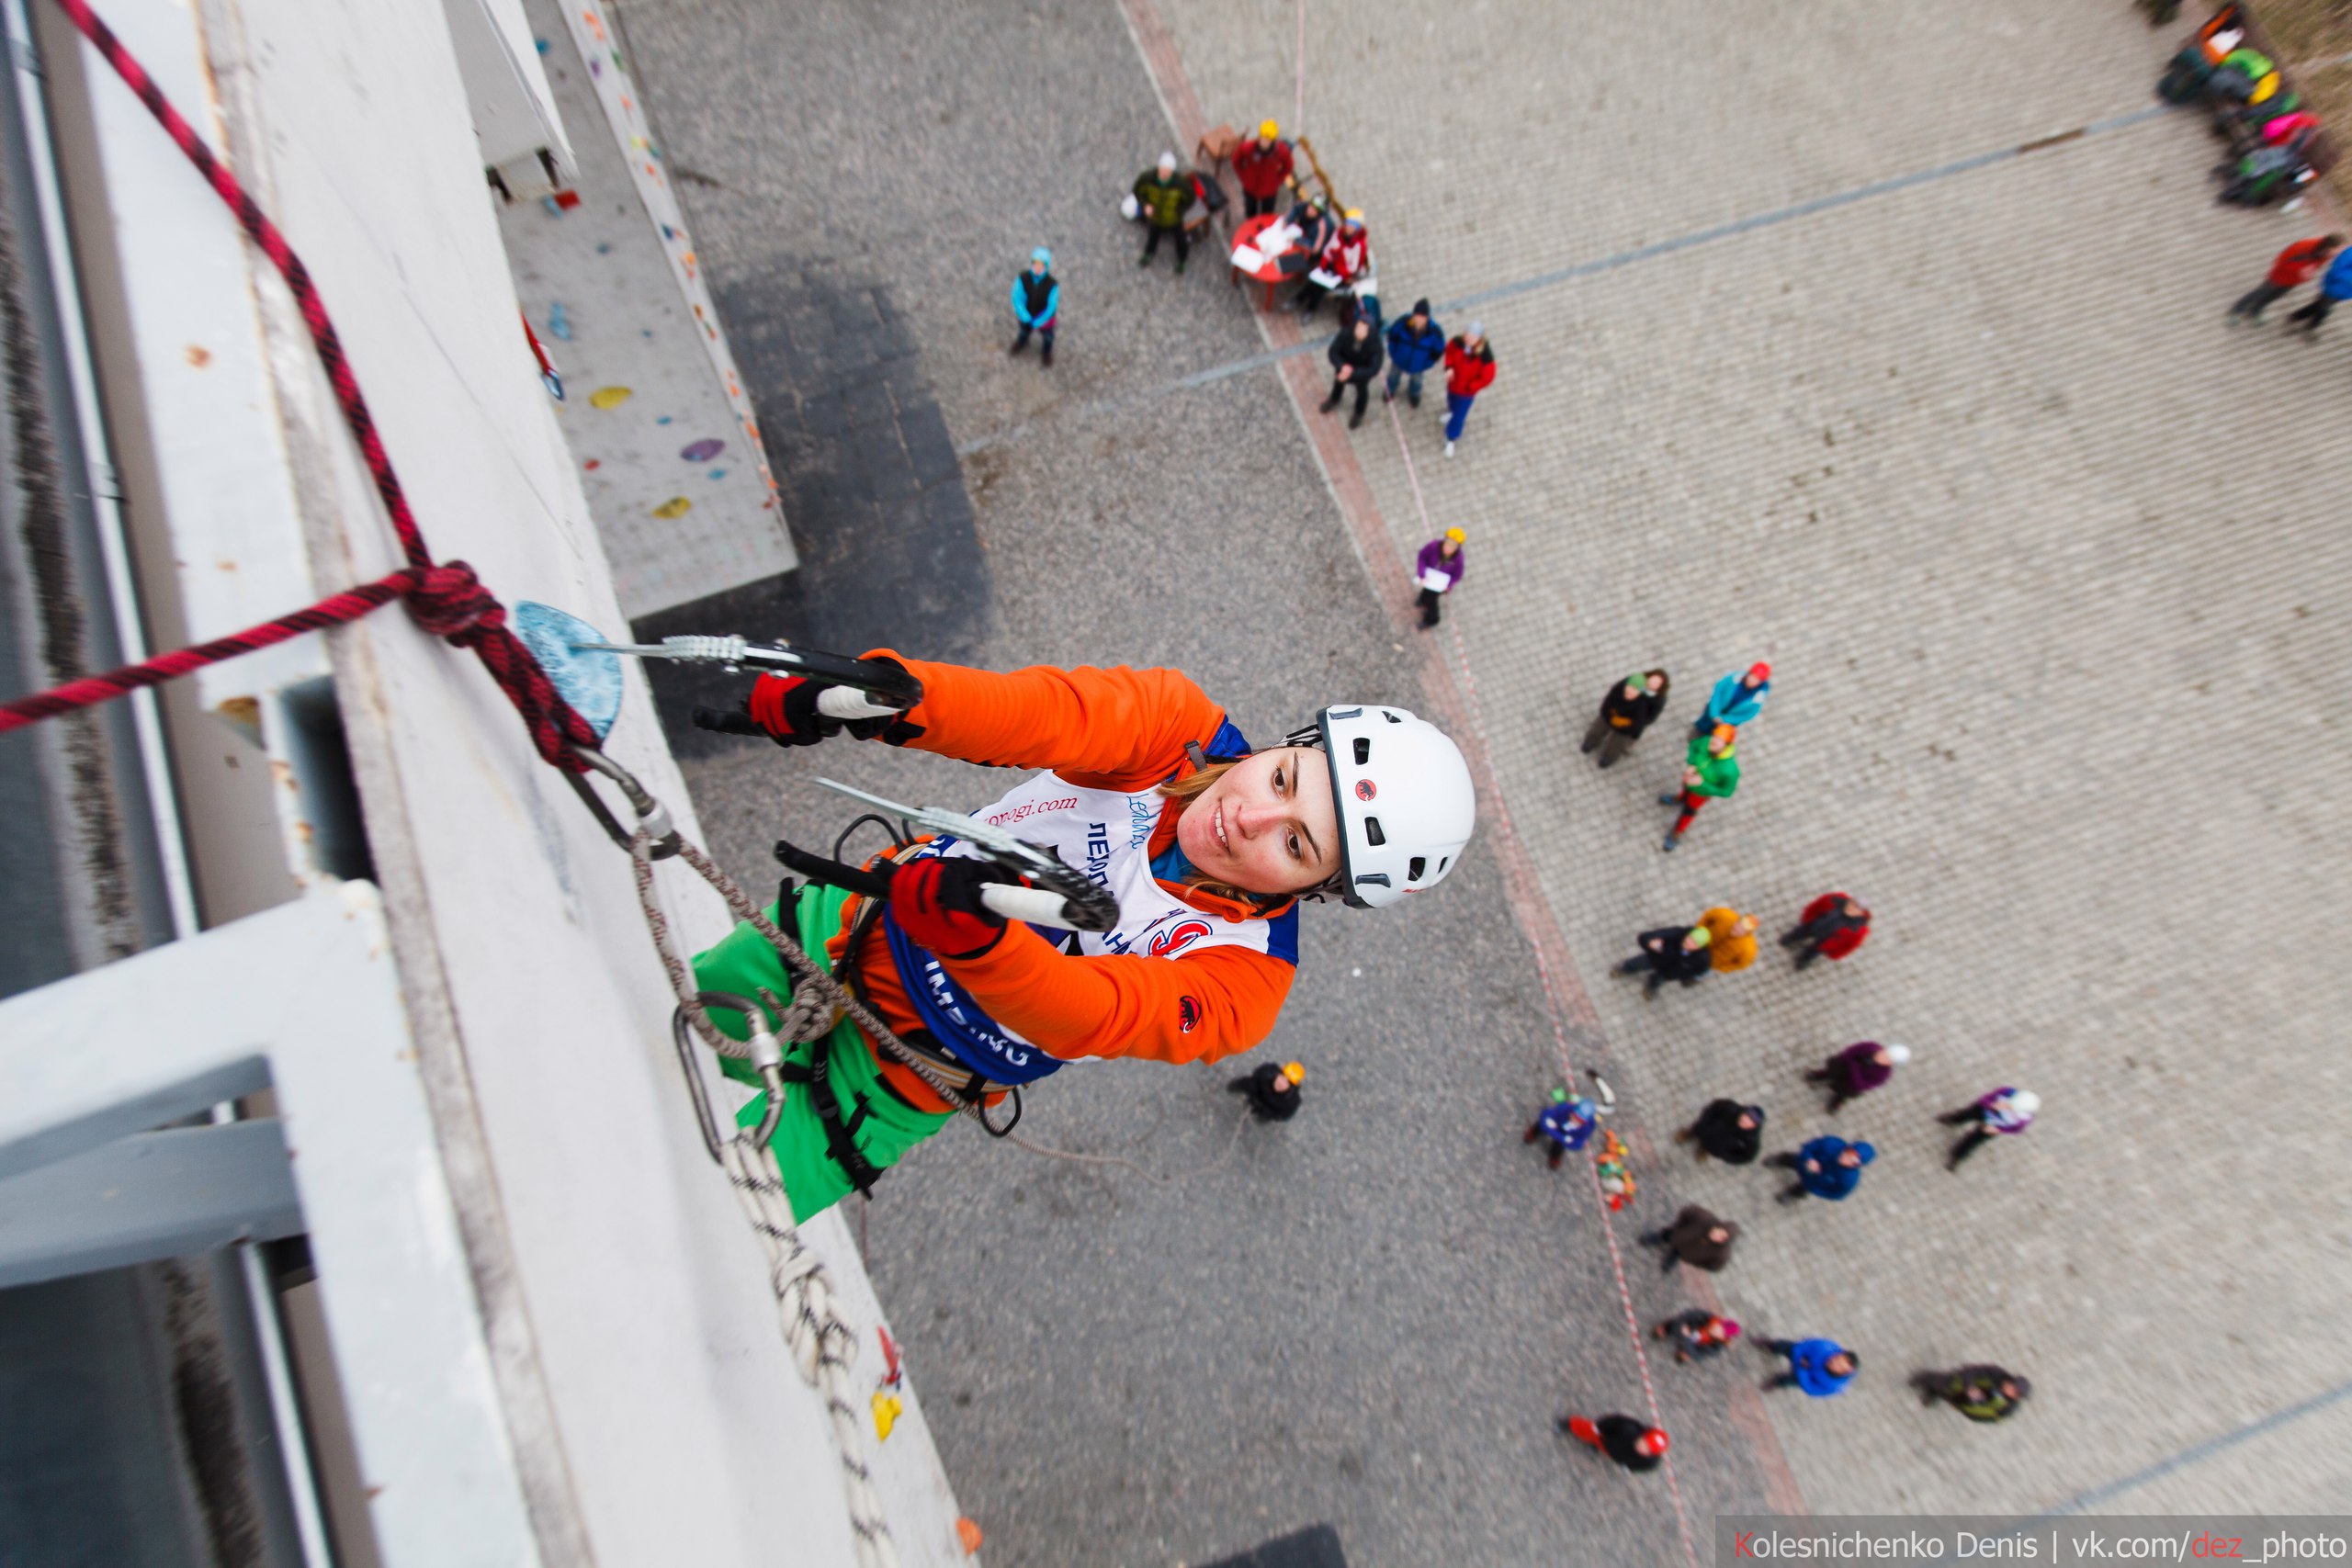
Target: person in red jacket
[1207,843]
[1263,167]
[1831,927]
[1469,370]
[2293,267]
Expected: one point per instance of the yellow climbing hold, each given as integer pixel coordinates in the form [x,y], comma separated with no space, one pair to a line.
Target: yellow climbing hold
[609,397]
[886,1411]
[676,506]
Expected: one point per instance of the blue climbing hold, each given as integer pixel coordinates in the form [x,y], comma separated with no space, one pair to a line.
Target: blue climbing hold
[560,322]
[719,473]
[588,680]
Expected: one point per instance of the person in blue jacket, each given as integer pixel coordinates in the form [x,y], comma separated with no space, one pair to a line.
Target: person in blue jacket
[2335,285]
[1737,697]
[1826,1167]
[1566,1124]
[1416,347]
[1820,1366]
[1037,304]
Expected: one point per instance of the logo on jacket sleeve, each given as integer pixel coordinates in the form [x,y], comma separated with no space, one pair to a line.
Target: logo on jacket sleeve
[1188,1013]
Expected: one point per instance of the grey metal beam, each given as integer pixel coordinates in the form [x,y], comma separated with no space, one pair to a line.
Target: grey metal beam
[148,1196]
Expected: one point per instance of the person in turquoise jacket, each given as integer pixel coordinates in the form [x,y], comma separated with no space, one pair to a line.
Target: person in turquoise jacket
[1709,772]
[1037,304]
[1821,1367]
[2335,285]
[1737,697]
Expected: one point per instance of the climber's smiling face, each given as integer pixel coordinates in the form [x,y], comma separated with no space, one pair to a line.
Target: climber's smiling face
[1267,824]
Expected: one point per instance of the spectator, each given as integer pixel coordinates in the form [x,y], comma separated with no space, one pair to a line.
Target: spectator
[1037,304]
[1826,1167]
[1565,1124]
[1857,1069]
[1671,953]
[1441,559]
[1697,1334]
[1163,196]
[1695,1237]
[1737,697]
[1273,1090]
[1356,360]
[1345,257]
[2293,267]
[1637,1445]
[1312,218]
[1631,707]
[1711,771]
[2335,285]
[1831,927]
[2003,1112]
[1727,1129]
[1731,947]
[1263,167]
[1980,1392]
[1821,1367]
[1416,346]
[1469,370]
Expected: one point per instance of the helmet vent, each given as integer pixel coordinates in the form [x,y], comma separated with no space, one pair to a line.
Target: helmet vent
[1390,717]
[1445,862]
[1371,831]
[1363,750]
[1420,864]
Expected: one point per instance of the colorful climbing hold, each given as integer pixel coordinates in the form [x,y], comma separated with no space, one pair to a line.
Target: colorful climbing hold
[886,1411]
[663,420]
[719,473]
[703,451]
[676,506]
[605,248]
[592,464]
[968,1534]
[559,321]
[609,397]
[543,44]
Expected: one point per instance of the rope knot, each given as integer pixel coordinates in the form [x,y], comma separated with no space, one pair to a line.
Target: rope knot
[450,601]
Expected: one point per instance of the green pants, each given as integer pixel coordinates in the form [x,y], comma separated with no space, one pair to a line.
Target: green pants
[813,1179]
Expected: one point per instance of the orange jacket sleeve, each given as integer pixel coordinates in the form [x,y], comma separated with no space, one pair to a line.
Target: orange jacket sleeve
[1118,729]
[1193,1007]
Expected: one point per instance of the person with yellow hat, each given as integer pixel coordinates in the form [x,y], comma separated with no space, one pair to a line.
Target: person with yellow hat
[1273,1090]
[1437,570]
[1263,166]
[1345,263]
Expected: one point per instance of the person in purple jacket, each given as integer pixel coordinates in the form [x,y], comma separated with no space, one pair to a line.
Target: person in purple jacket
[1857,1069]
[1438,558]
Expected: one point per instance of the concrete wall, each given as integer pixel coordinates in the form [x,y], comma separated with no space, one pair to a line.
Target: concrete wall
[654,1412]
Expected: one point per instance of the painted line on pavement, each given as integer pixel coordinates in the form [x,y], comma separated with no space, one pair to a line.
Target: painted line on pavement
[1621,259]
[2196,1453]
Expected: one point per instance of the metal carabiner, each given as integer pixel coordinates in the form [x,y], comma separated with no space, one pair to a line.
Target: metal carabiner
[652,815]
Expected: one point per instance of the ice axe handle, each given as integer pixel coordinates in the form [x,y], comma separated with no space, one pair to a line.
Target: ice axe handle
[1037,906]
[832,872]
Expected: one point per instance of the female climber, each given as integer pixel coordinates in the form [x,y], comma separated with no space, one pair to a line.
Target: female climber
[1207,844]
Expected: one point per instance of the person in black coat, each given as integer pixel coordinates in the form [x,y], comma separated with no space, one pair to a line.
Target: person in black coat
[1637,1445]
[1631,707]
[1672,952]
[1273,1090]
[1355,356]
[1729,1131]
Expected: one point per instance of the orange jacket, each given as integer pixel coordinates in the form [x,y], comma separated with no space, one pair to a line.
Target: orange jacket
[1123,729]
[1727,953]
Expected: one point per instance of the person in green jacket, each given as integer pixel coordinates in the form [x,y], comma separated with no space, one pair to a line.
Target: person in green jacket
[1979,1393]
[1711,772]
[1163,193]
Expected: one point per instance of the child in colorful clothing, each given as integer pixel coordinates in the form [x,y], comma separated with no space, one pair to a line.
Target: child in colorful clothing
[2005,1113]
[1697,1334]
[1566,1124]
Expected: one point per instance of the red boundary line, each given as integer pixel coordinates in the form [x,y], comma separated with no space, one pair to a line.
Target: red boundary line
[1571,1007]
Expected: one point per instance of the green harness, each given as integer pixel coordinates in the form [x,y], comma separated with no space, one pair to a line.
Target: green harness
[841,1125]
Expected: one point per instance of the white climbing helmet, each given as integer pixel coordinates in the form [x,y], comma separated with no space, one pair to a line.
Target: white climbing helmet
[1404,801]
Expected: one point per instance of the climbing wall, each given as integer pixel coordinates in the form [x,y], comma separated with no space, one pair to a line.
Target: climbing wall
[653,408]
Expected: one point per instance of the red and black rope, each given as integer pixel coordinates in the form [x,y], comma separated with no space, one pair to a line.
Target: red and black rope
[447,600]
